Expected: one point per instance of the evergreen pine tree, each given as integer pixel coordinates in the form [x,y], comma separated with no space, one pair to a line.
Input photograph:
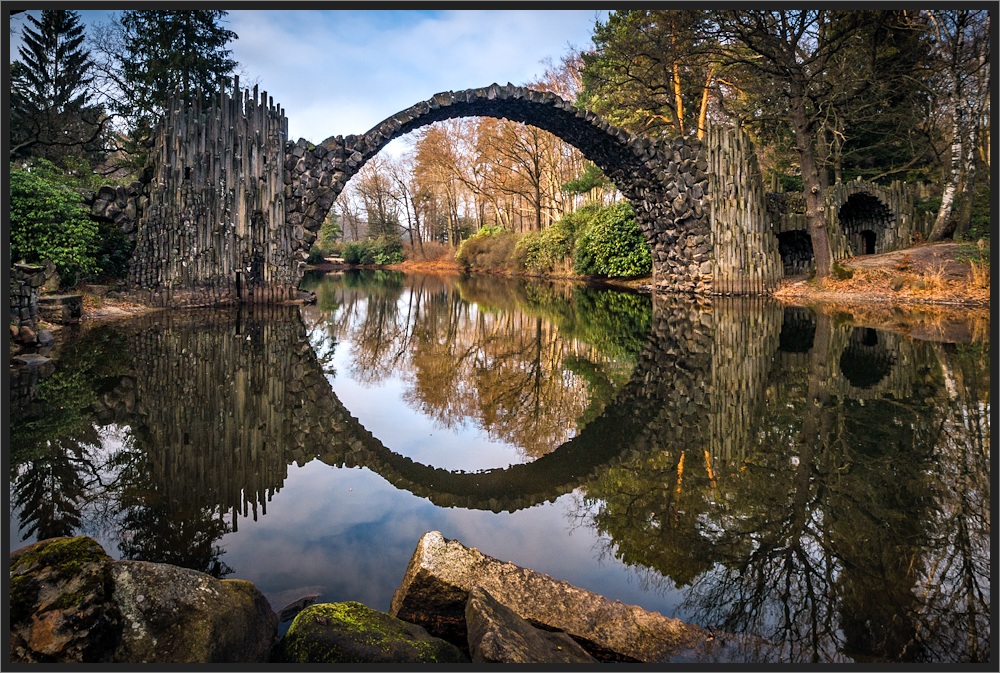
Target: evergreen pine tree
[161,53]
[51,115]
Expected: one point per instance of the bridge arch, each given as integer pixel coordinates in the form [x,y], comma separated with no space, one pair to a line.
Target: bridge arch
[683,191]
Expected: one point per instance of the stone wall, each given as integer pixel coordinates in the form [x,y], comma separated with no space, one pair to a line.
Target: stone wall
[851,208]
[892,220]
[25,279]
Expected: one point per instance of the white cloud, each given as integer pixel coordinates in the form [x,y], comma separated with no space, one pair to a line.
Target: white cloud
[338,72]
[342,72]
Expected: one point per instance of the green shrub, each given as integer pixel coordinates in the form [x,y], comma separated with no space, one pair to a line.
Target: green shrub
[543,251]
[315,256]
[114,250]
[387,250]
[49,222]
[381,250]
[611,244]
[354,252]
[489,249]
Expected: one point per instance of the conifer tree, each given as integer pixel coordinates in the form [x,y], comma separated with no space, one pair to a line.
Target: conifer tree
[151,55]
[51,114]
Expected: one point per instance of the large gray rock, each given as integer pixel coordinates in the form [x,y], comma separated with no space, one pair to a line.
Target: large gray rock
[70,602]
[441,573]
[352,633]
[498,635]
[176,615]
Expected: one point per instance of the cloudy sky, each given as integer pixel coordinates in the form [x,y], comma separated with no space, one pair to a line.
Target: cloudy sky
[338,72]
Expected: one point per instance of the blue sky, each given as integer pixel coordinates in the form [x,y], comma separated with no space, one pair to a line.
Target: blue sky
[338,72]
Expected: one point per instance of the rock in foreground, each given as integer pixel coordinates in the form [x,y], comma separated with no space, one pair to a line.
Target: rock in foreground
[498,636]
[352,633]
[173,614]
[443,572]
[71,602]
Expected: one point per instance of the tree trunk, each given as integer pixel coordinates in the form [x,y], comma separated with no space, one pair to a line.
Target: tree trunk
[815,217]
[967,193]
[943,225]
[703,110]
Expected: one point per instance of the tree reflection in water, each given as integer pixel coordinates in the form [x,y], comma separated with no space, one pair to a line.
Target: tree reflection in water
[851,529]
[529,363]
[833,517]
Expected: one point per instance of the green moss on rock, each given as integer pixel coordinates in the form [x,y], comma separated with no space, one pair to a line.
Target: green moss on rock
[23,598]
[842,272]
[353,633]
[67,555]
[60,602]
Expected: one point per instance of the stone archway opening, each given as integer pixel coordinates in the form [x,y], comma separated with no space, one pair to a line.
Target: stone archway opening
[868,238]
[865,360]
[864,219]
[796,252]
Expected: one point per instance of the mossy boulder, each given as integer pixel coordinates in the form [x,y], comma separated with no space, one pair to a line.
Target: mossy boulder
[842,272]
[177,615]
[61,607]
[352,633]
[71,602]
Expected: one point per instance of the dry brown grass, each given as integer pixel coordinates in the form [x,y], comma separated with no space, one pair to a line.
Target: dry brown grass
[432,257]
[979,273]
[925,274]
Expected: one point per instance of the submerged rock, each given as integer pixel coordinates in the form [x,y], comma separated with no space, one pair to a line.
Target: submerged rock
[498,635]
[442,573]
[352,633]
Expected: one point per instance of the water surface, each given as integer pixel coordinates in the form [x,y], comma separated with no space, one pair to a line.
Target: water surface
[822,484]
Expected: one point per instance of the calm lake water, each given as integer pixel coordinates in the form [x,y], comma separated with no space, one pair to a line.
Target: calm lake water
[820,484]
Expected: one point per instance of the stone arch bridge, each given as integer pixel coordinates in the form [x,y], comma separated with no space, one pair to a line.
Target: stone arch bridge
[229,208]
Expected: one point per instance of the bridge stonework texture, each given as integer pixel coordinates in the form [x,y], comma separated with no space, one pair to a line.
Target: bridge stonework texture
[229,208]
[700,226]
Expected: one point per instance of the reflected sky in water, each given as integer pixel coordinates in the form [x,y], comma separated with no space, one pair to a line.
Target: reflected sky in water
[762,470]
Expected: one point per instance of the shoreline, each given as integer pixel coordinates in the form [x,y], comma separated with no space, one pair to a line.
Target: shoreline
[924,278]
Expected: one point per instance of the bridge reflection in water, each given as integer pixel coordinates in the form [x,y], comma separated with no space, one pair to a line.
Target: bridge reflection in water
[820,484]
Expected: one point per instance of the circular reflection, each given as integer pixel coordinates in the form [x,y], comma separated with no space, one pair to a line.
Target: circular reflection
[865,361]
